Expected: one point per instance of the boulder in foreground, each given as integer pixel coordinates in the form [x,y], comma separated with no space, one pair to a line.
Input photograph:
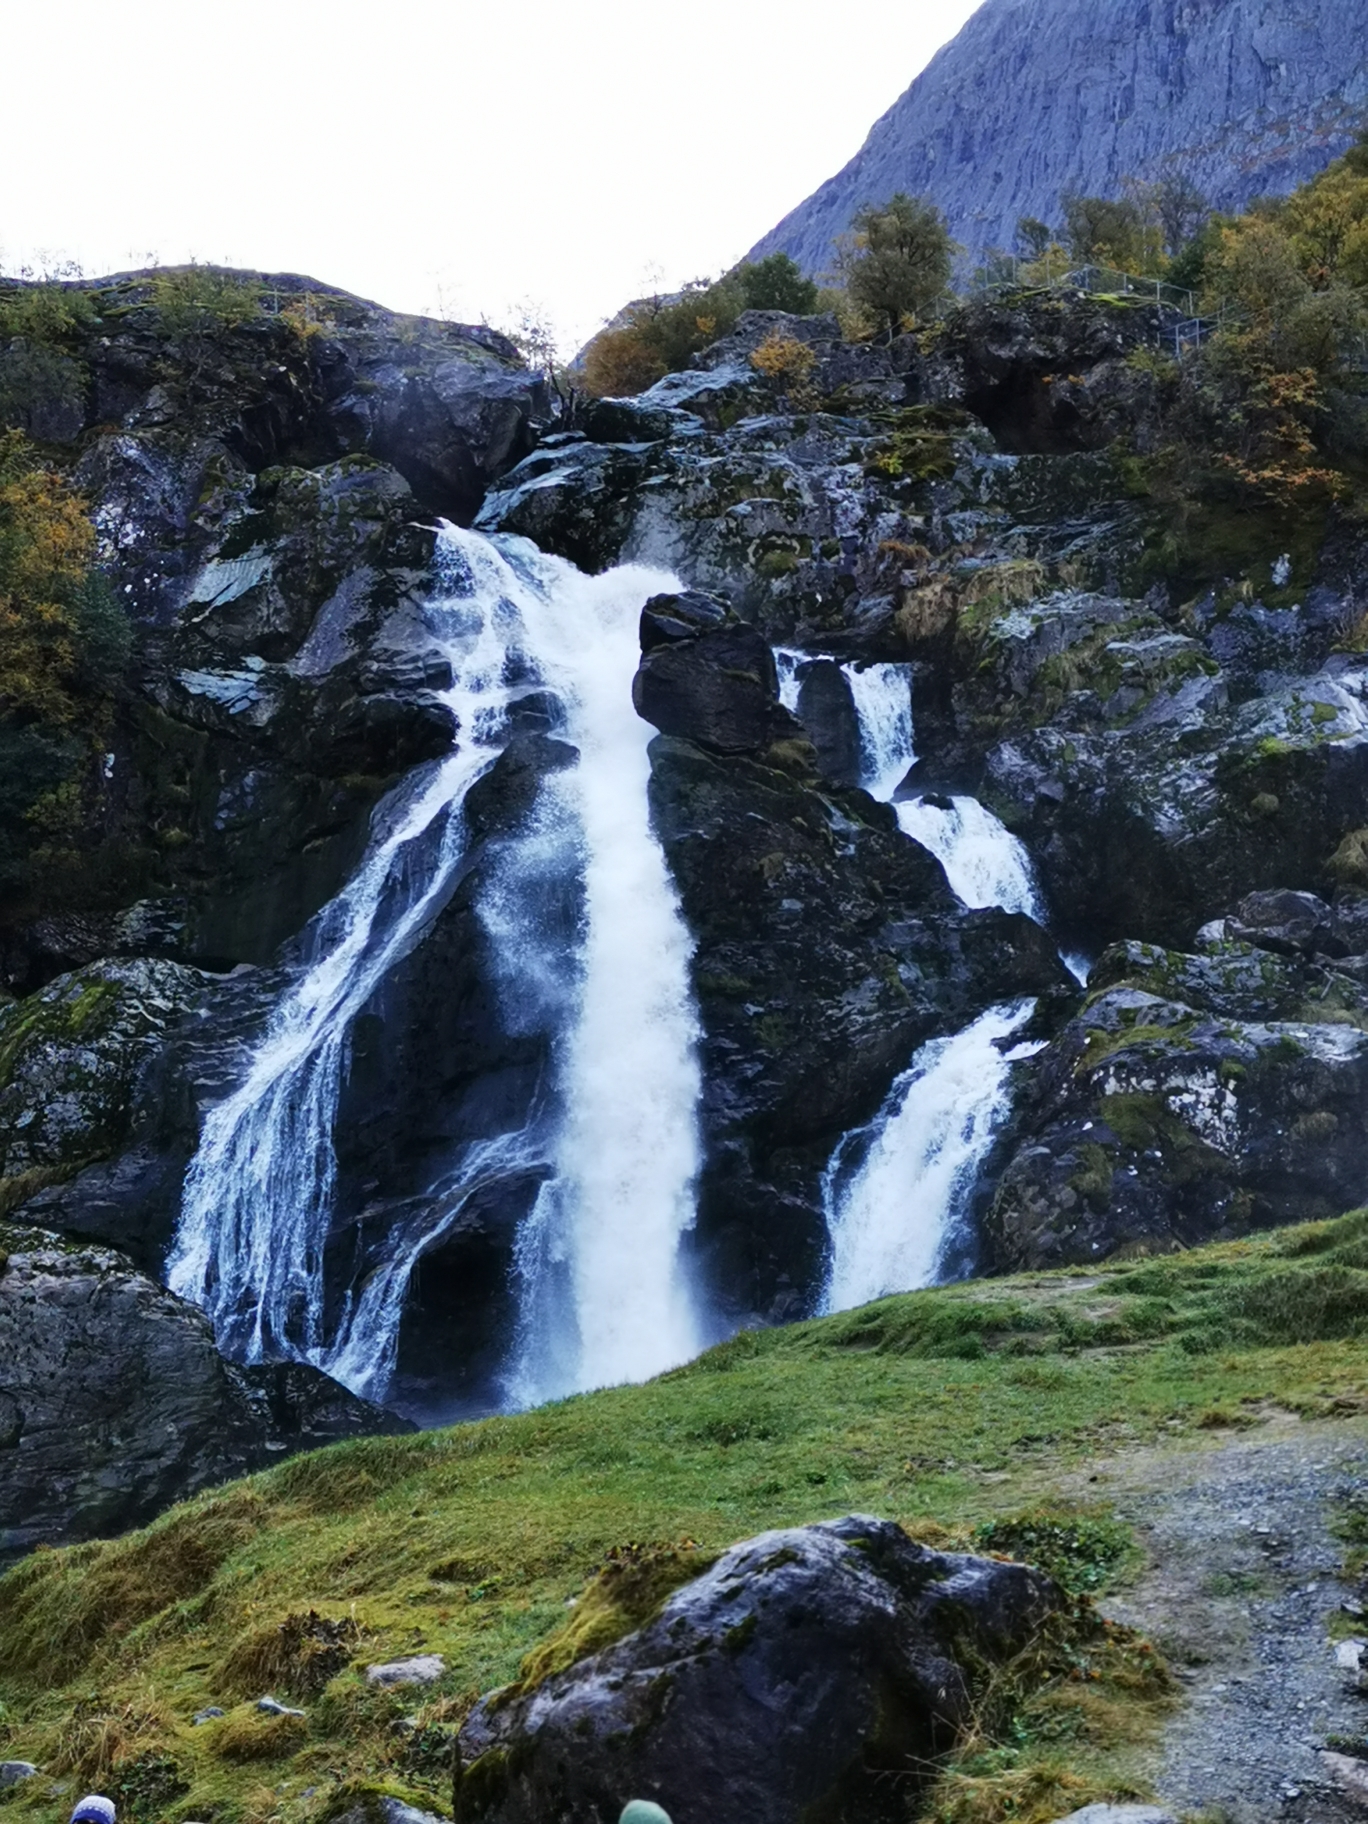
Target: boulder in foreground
[812,1672]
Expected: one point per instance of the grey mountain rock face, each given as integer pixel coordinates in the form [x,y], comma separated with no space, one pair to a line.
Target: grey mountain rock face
[1034,97]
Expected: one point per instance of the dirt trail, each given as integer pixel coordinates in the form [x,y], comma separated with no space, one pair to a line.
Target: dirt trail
[1238,1593]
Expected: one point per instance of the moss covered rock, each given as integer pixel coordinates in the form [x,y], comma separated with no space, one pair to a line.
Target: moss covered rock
[72,1058]
[1153,1123]
[815,1671]
[114,1401]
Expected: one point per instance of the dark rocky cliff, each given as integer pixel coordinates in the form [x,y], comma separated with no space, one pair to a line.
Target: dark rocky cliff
[1036,97]
[1186,754]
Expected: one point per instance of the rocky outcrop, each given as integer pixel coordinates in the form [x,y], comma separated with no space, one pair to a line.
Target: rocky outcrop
[114,1401]
[1245,97]
[259,479]
[73,1060]
[1161,758]
[818,1671]
[827,947]
[1194,1097]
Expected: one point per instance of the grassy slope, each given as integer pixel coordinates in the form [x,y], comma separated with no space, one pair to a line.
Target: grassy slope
[951,1406]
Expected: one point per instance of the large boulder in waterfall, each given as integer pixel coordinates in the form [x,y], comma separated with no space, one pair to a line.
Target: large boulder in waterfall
[719,689]
[1193,1098]
[815,1671]
[828,946]
[114,1401]
[831,721]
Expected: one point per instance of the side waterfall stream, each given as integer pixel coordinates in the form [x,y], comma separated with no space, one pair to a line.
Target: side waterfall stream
[895,1191]
[602,1290]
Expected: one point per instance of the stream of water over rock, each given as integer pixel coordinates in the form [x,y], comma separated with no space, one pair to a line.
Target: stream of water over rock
[602,1291]
[896,1191]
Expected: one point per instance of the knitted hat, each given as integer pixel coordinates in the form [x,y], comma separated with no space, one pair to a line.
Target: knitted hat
[643,1811]
[94,1809]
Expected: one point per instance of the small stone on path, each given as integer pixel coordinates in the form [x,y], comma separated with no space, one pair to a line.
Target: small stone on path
[1120,1814]
[424,1669]
[272,1707]
[14,1773]
[205,1716]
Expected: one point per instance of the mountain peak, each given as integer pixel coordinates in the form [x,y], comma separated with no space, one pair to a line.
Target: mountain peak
[1037,97]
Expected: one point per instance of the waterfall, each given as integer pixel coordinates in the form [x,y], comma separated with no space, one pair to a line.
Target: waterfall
[985,864]
[894,1190]
[883,704]
[603,1294]
[258,1199]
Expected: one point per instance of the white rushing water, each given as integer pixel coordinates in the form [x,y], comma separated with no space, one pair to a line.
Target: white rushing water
[985,864]
[882,695]
[601,1254]
[894,1191]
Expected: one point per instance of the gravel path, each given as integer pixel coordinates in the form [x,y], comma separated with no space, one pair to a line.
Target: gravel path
[1240,1588]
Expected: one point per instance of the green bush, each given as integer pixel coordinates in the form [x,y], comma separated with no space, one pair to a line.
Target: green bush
[897,261]
[777,283]
[64,643]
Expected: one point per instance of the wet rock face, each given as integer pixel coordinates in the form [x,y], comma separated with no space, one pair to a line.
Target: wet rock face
[719,689]
[73,1059]
[456,1046]
[1192,1099]
[114,1402]
[258,495]
[812,1672]
[827,947]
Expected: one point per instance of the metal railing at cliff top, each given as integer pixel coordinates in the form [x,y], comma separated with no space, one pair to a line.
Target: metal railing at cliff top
[1185,331]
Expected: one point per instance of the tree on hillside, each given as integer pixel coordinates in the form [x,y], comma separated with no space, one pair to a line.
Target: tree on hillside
[777,283]
[1103,230]
[897,262]
[1032,237]
[1181,208]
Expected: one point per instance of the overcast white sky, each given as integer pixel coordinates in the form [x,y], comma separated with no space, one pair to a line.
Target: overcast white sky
[439,154]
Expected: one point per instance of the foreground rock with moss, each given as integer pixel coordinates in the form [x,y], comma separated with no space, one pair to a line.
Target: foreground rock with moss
[114,1402]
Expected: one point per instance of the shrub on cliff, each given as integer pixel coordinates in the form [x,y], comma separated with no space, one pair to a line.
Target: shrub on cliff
[1271,412]
[64,641]
[659,336]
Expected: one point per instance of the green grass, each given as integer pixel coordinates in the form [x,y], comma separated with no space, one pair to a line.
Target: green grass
[949,1410]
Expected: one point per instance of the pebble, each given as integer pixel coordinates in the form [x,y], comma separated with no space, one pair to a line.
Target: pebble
[273,1708]
[14,1773]
[424,1669]
[205,1716]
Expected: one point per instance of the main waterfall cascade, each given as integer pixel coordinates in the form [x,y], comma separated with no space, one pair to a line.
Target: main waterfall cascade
[895,1191]
[602,1288]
